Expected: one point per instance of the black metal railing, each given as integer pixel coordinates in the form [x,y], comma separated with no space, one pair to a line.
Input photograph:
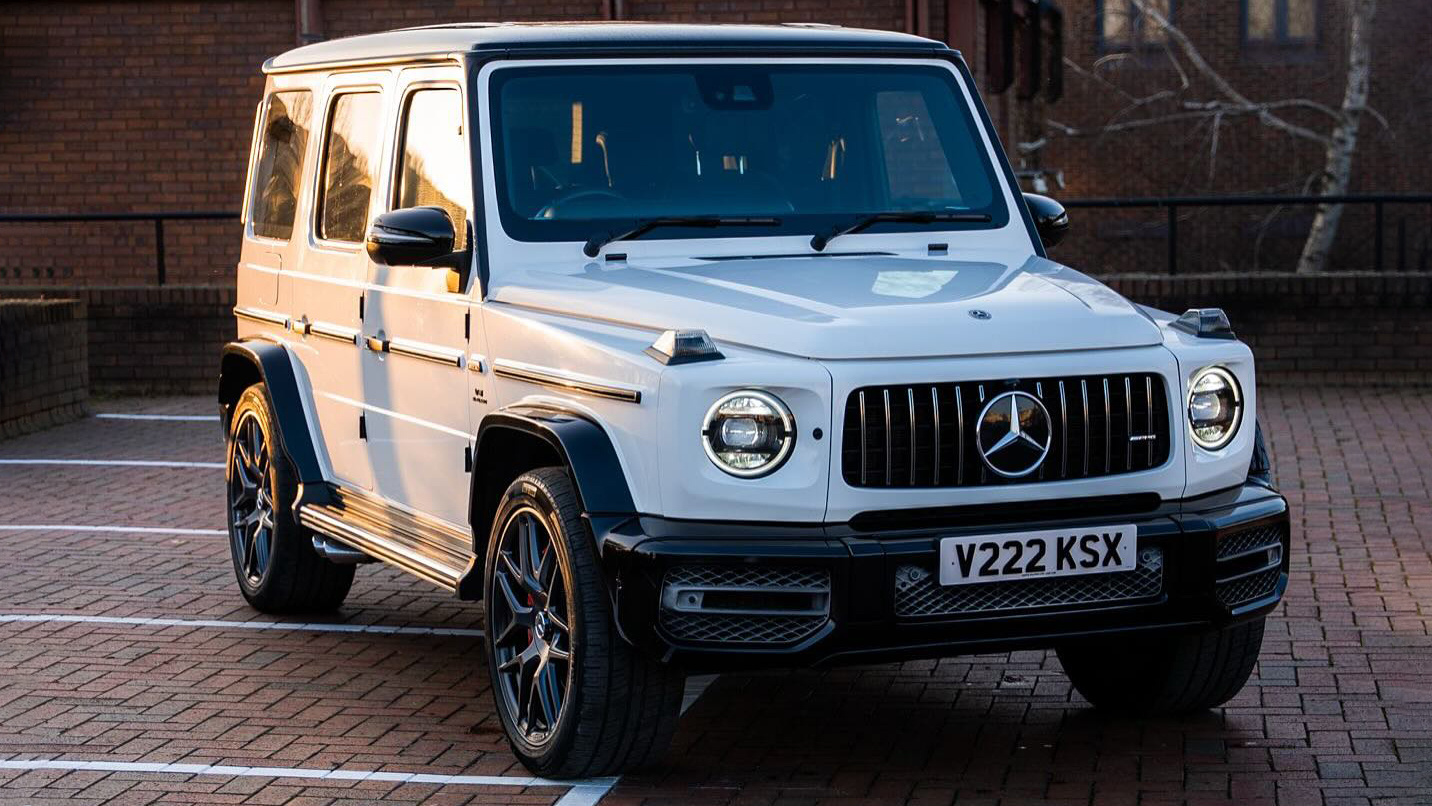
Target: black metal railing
[1172,204]
[158,218]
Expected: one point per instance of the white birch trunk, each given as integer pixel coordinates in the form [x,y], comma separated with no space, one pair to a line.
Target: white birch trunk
[1337,168]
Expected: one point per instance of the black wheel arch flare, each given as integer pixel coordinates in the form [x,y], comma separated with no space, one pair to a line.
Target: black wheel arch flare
[250,361]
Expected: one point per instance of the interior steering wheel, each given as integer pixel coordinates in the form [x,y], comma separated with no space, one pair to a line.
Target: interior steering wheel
[550,210]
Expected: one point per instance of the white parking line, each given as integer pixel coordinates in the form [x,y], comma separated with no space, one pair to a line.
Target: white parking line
[231,771]
[113,463]
[587,792]
[307,626]
[70,527]
[182,418]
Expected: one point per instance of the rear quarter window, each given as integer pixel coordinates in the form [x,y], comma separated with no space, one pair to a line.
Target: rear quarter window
[279,172]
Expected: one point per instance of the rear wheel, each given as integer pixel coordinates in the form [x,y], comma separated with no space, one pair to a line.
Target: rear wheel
[274,561]
[574,700]
[1165,674]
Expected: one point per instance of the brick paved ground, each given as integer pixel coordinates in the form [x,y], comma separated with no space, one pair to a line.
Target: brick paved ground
[1339,710]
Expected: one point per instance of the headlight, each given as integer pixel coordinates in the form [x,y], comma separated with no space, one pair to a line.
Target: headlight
[1215,408]
[748,433]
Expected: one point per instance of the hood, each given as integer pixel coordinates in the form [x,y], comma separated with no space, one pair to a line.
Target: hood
[847,307]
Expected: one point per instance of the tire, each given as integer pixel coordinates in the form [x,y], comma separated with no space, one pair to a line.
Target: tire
[1165,674]
[274,561]
[593,706]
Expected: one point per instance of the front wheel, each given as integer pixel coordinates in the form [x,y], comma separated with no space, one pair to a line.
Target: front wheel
[1165,674]
[574,700]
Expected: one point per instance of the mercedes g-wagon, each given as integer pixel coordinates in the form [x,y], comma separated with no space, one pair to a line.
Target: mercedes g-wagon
[719,347]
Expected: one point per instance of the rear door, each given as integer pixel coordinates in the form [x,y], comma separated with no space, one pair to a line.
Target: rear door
[417,318]
[326,287]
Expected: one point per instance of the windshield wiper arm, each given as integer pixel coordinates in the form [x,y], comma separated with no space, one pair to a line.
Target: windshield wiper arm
[595,243]
[819,240]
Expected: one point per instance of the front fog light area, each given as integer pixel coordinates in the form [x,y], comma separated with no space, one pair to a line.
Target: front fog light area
[748,433]
[1215,407]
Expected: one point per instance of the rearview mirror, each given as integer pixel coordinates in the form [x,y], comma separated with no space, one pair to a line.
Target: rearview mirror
[411,236]
[1050,219]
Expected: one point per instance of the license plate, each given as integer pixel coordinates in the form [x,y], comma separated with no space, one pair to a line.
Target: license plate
[1030,555]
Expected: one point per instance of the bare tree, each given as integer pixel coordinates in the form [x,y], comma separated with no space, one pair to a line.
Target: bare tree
[1175,106]
[1338,163]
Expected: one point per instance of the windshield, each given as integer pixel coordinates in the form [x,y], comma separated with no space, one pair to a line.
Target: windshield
[585,149]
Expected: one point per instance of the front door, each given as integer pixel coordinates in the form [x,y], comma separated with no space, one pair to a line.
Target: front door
[417,318]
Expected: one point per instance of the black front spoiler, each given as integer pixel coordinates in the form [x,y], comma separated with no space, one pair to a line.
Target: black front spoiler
[864,627]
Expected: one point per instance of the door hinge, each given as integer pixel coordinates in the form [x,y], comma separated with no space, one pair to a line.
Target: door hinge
[467,458]
[360,307]
[362,426]
[467,325]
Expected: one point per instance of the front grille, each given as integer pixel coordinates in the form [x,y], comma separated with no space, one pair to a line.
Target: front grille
[924,435]
[918,592]
[744,604]
[1250,563]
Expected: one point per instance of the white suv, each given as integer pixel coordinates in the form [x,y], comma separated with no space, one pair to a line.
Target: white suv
[703,347]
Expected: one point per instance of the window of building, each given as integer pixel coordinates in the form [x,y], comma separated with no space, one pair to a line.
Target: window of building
[433,172]
[1122,26]
[1280,22]
[279,171]
[350,165]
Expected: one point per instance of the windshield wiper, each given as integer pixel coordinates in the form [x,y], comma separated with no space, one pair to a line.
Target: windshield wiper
[595,243]
[819,240]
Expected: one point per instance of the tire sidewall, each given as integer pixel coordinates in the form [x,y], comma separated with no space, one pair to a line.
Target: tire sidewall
[530,492]
[254,401]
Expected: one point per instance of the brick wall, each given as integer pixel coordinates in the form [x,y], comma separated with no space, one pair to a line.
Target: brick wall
[43,366]
[154,339]
[135,106]
[1335,328]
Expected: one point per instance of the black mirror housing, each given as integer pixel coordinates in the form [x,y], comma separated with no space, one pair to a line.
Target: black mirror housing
[411,236]
[1051,221]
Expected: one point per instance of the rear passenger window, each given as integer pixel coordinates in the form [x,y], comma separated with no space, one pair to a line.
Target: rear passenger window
[350,166]
[280,168]
[434,170]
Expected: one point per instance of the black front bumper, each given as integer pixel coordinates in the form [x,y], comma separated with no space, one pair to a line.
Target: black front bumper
[1215,556]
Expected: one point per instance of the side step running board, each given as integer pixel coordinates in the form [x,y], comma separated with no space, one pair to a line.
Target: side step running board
[330,523]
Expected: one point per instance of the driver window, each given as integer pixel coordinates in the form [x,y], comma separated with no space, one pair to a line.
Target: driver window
[433,170]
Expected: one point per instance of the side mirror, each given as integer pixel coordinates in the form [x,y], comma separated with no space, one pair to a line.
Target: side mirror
[1050,219]
[411,236]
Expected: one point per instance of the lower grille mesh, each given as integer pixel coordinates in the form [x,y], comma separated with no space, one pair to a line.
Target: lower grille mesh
[918,591]
[1250,563]
[730,629]
[750,626]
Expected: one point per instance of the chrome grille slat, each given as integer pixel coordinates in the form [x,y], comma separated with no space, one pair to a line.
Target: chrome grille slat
[1108,431]
[888,440]
[910,395]
[1128,424]
[1064,429]
[864,448]
[960,426]
[1084,392]
[1149,423]
[935,407]
[899,461]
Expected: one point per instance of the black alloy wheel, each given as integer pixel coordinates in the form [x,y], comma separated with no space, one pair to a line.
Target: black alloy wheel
[530,619]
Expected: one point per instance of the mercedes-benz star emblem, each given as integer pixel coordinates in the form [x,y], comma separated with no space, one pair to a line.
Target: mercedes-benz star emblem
[1013,434]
